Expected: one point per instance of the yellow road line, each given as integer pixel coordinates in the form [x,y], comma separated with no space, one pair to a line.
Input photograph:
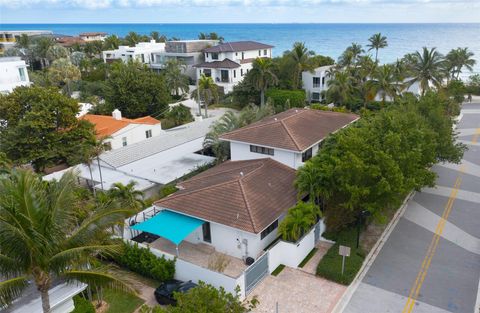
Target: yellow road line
[414,292]
[475,137]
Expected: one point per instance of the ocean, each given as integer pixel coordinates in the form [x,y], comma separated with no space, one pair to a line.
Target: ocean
[324,39]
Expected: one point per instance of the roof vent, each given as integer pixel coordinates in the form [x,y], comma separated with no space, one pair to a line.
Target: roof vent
[117,114]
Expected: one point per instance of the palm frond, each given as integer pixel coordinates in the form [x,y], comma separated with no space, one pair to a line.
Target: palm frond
[64,258]
[11,289]
[99,277]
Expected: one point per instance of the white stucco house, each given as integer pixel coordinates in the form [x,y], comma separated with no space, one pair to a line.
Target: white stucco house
[315,83]
[142,52]
[189,52]
[227,63]
[120,132]
[93,36]
[13,73]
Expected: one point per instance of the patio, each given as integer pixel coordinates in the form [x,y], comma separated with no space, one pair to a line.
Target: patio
[202,255]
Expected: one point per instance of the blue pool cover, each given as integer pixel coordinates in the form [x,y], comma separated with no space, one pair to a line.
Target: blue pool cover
[170,225]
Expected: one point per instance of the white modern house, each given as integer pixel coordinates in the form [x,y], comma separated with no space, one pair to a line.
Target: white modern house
[188,52]
[120,132]
[227,63]
[93,36]
[13,73]
[142,52]
[315,83]
[234,209]
[291,137]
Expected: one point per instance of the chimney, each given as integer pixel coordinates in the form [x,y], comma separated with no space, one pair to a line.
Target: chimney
[117,114]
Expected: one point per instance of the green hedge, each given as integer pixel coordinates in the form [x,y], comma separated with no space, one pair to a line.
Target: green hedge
[280,97]
[330,266]
[144,262]
[82,305]
[317,106]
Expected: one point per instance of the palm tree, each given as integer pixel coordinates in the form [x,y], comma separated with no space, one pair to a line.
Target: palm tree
[263,76]
[426,68]
[301,57]
[340,87]
[62,72]
[41,46]
[211,36]
[132,39]
[377,41]
[228,122]
[127,196]
[174,77]
[384,82]
[42,239]
[307,181]
[208,90]
[4,163]
[458,59]
[298,221]
[111,42]
[23,42]
[56,52]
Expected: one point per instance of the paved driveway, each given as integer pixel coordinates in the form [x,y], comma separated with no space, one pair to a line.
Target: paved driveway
[431,261]
[296,292]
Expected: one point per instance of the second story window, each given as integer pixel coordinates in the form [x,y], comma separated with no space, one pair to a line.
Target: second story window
[241,72]
[21,72]
[261,150]
[259,53]
[265,52]
[124,141]
[316,82]
[214,56]
[307,155]
[323,81]
[148,133]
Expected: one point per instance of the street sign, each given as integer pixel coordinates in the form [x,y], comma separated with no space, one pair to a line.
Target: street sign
[344,251]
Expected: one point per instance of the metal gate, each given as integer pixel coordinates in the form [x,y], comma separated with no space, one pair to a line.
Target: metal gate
[256,272]
[317,232]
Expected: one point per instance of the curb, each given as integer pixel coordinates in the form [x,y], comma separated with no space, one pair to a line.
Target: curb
[347,295]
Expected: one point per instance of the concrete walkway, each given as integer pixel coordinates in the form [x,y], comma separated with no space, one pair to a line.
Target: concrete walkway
[431,260]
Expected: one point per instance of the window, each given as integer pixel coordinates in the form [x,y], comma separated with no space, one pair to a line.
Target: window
[124,141]
[307,155]
[315,96]
[259,53]
[241,72]
[234,73]
[323,81]
[214,56]
[207,234]
[236,54]
[269,229]
[243,55]
[261,150]
[21,72]
[148,133]
[207,72]
[265,52]
[316,82]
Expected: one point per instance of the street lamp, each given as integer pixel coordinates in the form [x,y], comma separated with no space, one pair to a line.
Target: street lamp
[360,220]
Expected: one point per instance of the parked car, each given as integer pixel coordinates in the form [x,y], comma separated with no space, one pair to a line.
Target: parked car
[164,293]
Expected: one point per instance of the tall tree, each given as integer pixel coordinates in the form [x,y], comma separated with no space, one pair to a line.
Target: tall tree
[127,196]
[426,68]
[62,73]
[175,78]
[41,238]
[40,127]
[377,41]
[384,82]
[208,91]
[301,58]
[459,58]
[263,76]
[340,87]
[111,42]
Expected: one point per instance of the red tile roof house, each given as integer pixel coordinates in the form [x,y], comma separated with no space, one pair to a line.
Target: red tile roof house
[235,208]
[120,132]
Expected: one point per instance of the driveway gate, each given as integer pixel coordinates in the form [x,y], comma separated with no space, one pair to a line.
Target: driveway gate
[256,272]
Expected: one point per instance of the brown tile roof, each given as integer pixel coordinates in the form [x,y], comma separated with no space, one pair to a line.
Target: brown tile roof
[68,41]
[92,34]
[107,125]
[237,46]
[294,129]
[247,195]
[226,63]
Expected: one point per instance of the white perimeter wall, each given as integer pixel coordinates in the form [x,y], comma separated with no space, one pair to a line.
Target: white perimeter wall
[134,133]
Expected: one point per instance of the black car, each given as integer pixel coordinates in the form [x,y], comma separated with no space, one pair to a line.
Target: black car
[164,293]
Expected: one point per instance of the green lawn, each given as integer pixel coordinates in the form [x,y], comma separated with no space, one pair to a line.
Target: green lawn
[330,266]
[121,302]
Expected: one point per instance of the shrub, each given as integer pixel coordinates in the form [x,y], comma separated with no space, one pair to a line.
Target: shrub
[167,190]
[298,221]
[281,97]
[82,305]
[177,115]
[144,262]
[330,267]
[317,106]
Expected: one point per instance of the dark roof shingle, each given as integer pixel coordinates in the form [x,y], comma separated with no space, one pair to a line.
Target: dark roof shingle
[237,46]
[247,195]
[294,129]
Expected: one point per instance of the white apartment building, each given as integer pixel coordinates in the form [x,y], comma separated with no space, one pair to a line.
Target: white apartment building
[143,52]
[189,52]
[13,73]
[121,132]
[229,62]
[8,39]
[315,83]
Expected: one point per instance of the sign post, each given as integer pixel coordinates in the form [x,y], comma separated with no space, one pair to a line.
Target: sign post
[344,251]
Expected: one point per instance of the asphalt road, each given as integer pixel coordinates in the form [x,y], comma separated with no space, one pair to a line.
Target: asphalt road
[431,261]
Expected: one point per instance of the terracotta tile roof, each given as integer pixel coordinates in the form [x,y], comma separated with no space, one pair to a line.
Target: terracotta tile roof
[294,129]
[247,195]
[107,125]
[92,34]
[237,46]
[226,63]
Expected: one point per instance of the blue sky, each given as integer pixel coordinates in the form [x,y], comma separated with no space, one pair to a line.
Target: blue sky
[238,11]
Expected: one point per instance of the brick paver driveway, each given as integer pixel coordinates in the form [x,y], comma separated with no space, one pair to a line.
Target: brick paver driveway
[296,292]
